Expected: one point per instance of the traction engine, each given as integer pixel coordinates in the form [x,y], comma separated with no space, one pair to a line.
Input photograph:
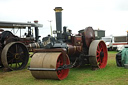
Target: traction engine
[14,54]
[57,54]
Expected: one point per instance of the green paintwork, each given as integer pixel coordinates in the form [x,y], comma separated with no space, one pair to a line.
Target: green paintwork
[124,58]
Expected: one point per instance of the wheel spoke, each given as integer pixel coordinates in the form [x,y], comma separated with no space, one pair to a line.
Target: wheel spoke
[16,49]
[101,47]
[11,53]
[98,54]
[11,61]
[16,63]
[21,53]
[19,64]
[98,59]
[21,59]
[98,49]
[60,63]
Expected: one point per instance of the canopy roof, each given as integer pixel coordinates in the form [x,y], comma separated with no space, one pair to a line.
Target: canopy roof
[18,25]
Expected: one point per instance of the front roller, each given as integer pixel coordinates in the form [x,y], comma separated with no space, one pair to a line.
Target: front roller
[98,54]
[47,65]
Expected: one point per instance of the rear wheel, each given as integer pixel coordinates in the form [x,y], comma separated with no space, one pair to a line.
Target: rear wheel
[98,53]
[14,56]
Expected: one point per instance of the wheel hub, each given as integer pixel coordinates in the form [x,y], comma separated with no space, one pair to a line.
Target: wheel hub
[17,56]
[101,54]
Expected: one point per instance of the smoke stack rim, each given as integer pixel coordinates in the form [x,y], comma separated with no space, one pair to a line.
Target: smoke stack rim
[58,9]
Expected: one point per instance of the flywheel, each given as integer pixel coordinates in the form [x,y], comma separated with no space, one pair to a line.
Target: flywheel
[98,54]
[49,60]
[14,56]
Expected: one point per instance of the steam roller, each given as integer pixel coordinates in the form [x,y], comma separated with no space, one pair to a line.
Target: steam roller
[57,55]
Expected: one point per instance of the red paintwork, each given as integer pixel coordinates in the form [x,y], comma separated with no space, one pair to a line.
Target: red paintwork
[101,48]
[62,74]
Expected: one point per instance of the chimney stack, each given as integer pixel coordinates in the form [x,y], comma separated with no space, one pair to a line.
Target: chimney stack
[58,22]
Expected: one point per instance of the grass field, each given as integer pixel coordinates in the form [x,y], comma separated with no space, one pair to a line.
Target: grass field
[111,75]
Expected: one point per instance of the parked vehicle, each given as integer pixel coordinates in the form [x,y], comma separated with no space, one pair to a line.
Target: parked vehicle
[115,42]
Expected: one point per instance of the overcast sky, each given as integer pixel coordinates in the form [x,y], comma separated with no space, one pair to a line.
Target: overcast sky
[108,15]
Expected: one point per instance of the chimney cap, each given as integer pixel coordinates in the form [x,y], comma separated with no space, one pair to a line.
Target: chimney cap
[58,9]
[36,21]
